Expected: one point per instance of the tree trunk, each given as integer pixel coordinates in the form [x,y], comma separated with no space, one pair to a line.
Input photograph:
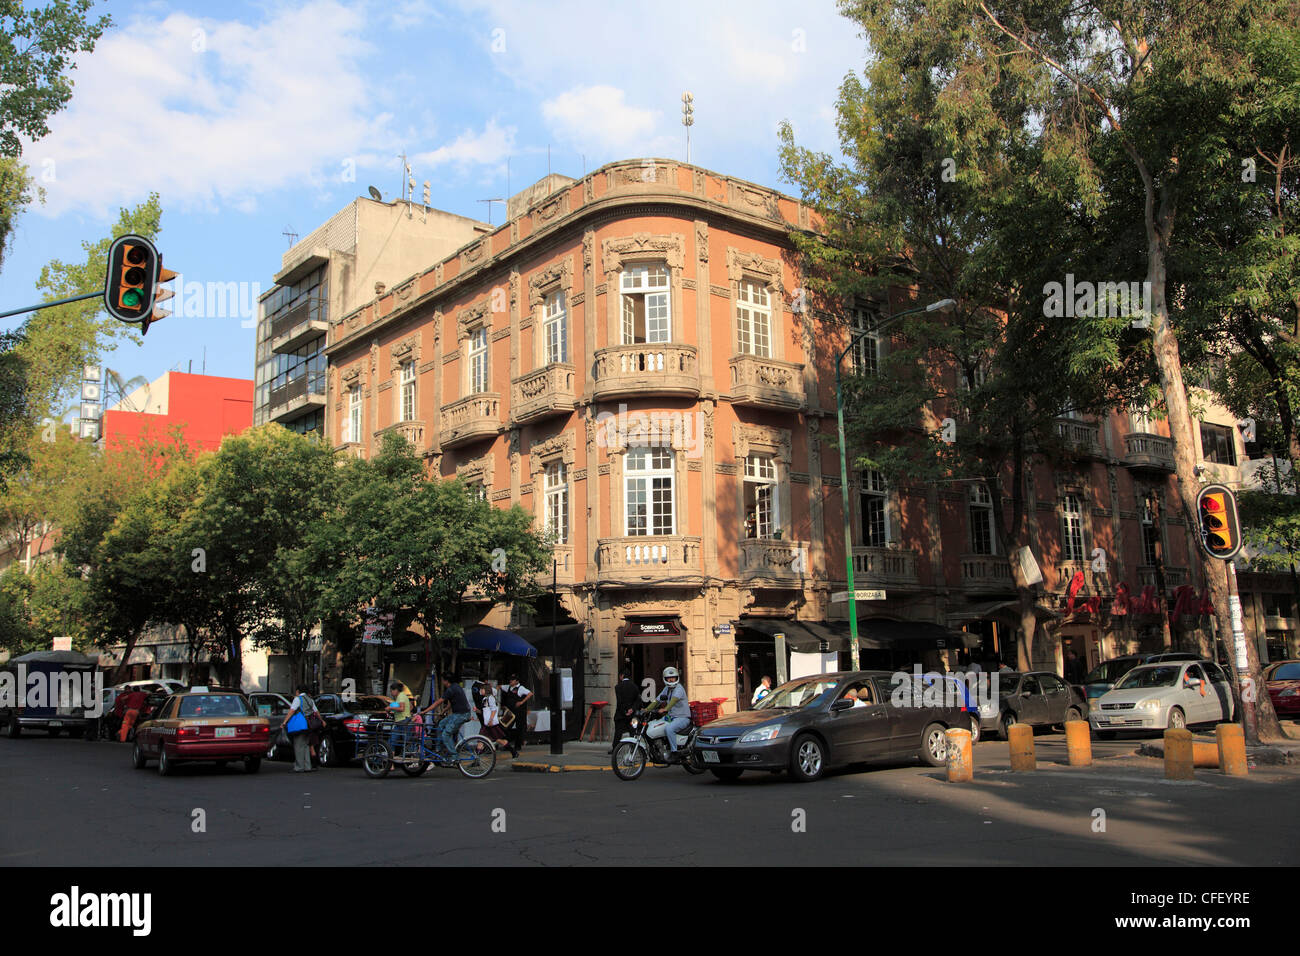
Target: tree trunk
[1169,363]
[119,675]
[1028,627]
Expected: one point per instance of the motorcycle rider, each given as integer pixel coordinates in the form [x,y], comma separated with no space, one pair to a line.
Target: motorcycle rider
[672,699]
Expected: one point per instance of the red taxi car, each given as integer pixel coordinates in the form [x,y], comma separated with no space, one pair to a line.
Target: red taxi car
[203,724]
[1282,679]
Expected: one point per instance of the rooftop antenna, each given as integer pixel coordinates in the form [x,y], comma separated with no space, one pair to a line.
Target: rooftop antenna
[406,172]
[688,119]
[290,235]
[490,202]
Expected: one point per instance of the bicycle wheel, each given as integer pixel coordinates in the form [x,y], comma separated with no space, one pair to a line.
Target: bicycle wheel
[475,757]
[378,761]
[413,769]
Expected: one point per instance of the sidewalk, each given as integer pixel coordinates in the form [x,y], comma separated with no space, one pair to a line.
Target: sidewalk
[537,758]
[1273,752]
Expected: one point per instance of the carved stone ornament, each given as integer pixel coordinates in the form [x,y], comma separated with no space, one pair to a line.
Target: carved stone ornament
[557,276]
[542,453]
[702,241]
[761,439]
[589,192]
[351,375]
[404,290]
[552,208]
[588,243]
[741,264]
[750,199]
[473,254]
[643,245]
[437,325]
[480,469]
[471,318]
[408,349]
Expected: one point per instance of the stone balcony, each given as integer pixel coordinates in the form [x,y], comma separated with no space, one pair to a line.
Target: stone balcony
[643,559]
[986,572]
[1148,452]
[412,431]
[1174,577]
[1083,438]
[635,370]
[470,419]
[884,568]
[773,560]
[767,383]
[542,393]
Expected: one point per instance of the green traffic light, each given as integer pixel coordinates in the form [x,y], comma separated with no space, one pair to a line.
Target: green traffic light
[131,298]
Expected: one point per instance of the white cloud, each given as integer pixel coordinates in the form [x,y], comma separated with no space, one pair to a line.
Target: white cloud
[600,118]
[211,113]
[489,146]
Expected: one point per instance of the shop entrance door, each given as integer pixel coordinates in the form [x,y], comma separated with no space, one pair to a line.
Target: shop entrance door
[647,663]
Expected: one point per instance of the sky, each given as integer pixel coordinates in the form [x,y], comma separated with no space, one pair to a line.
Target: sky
[252,120]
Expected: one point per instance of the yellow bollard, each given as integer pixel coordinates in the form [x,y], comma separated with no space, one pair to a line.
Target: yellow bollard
[961,765]
[1078,743]
[1205,755]
[1232,749]
[1178,755]
[1021,738]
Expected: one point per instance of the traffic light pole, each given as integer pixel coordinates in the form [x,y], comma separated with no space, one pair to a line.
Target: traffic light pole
[47,305]
[1242,659]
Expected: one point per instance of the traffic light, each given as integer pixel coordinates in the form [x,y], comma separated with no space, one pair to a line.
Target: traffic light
[132,287]
[1216,509]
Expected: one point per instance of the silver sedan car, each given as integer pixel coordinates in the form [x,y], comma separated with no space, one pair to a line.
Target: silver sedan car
[1165,695]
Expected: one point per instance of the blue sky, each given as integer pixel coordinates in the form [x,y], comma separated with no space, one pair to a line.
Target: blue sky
[248,119]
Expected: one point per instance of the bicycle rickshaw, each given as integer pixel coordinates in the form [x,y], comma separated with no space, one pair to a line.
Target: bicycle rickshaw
[414,748]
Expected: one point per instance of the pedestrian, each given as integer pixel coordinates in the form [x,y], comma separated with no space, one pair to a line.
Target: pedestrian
[764,688]
[626,703]
[516,697]
[127,708]
[492,728]
[461,712]
[295,725]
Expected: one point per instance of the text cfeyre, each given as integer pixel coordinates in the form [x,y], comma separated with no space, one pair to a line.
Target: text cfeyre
[76,909]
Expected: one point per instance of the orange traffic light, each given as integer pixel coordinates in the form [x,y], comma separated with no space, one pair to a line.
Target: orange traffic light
[1216,509]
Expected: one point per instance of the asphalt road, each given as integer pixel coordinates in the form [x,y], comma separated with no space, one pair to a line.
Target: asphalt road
[72,803]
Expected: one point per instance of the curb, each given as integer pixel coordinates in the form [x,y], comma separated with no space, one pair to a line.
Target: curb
[1271,756]
[526,767]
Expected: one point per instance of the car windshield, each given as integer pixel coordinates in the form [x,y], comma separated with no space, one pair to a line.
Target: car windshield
[1152,676]
[804,693]
[1290,671]
[214,705]
[1109,672]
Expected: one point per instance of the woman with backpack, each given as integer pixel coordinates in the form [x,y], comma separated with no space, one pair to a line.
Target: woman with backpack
[298,726]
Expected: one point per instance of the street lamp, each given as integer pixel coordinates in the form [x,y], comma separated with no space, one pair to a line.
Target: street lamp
[844,464]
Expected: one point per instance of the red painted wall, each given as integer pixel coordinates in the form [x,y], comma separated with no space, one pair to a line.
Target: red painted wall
[206,407]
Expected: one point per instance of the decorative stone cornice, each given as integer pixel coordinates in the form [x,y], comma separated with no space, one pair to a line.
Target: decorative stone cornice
[542,453]
[643,245]
[749,439]
[472,317]
[557,276]
[741,264]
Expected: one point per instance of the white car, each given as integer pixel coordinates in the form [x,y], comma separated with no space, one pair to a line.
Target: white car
[1164,695]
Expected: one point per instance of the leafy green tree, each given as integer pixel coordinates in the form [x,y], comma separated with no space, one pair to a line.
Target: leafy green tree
[36,500]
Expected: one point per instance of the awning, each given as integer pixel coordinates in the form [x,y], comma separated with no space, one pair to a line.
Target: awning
[651,631]
[978,612]
[497,641]
[873,634]
[54,657]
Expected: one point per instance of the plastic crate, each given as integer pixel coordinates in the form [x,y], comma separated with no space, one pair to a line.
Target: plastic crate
[704,711]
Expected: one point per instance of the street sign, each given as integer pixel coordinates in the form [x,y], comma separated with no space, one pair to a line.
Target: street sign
[858,595]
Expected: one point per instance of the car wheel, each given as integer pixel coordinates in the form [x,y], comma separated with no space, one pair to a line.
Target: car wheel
[1005,724]
[1073,714]
[138,759]
[1177,719]
[974,730]
[807,758]
[252,764]
[325,752]
[934,745]
[728,774]
[164,762]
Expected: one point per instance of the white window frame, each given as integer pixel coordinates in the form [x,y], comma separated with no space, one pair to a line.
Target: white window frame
[874,487]
[406,395]
[647,281]
[1072,528]
[646,473]
[355,413]
[556,489]
[555,328]
[1140,419]
[761,471]
[868,350]
[980,509]
[753,319]
[476,351]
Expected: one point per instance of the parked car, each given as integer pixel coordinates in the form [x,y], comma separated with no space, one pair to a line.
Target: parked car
[275,708]
[345,724]
[812,724]
[1106,674]
[1282,679]
[158,690]
[1036,698]
[1167,694]
[202,724]
[58,673]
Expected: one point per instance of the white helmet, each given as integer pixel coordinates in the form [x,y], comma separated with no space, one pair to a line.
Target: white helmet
[670,673]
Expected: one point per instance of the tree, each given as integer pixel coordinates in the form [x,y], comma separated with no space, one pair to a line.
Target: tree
[36,500]
[407,543]
[1126,99]
[36,49]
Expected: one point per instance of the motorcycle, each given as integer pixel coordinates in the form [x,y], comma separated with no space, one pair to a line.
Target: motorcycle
[648,743]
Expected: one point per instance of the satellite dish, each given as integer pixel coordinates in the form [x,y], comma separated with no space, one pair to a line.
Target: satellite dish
[376,195]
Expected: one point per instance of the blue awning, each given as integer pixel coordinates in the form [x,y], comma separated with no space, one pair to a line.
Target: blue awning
[499,641]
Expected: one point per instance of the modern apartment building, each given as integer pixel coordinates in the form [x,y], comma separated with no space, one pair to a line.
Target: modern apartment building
[348,260]
[623,357]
